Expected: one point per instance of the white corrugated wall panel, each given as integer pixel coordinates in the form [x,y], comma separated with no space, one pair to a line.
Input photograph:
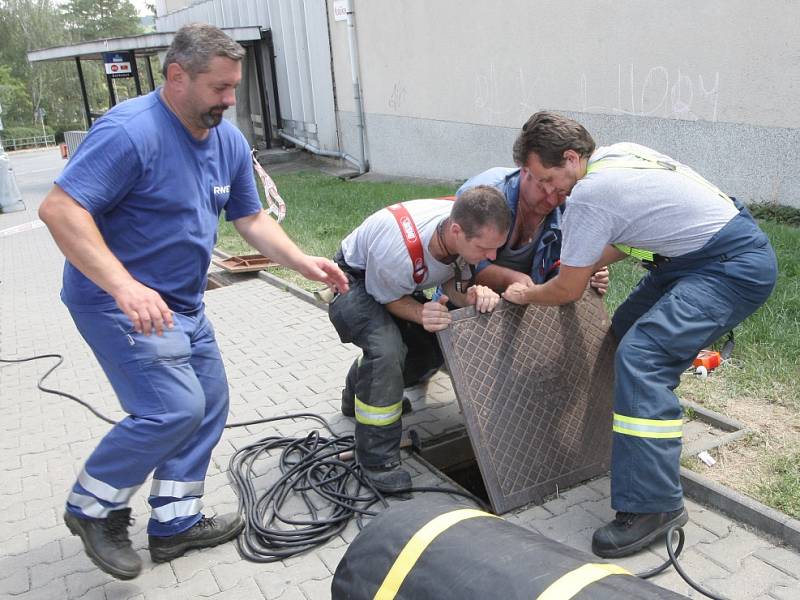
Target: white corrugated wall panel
[302,56]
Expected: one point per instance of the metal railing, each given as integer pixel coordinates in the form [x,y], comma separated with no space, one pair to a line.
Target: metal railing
[11,144]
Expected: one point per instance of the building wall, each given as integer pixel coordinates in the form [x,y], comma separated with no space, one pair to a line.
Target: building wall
[447,84]
[302,59]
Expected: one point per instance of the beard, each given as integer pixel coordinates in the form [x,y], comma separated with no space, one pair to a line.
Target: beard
[213,117]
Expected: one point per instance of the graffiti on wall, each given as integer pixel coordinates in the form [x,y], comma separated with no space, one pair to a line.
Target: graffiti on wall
[655,92]
[495,99]
[659,91]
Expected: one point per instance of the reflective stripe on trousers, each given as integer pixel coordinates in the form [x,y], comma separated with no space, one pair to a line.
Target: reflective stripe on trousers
[395,352]
[175,390]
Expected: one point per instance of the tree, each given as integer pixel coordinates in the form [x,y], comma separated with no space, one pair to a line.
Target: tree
[99,19]
[14,98]
[27,25]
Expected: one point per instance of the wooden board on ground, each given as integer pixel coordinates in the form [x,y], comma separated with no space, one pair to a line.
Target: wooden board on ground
[244,263]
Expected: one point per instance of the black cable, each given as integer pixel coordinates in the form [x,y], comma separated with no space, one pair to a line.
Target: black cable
[39,385]
[111,421]
[655,571]
[320,472]
[323,474]
[673,554]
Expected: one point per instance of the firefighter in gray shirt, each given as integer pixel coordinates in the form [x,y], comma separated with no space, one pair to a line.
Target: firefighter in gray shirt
[390,259]
[710,267]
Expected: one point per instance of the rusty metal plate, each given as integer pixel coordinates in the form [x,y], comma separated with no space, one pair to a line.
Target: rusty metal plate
[535,386]
[244,263]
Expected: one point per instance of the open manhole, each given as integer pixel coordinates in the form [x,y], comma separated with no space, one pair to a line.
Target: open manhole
[220,279]
[215,281]
[451,456]
[449,452]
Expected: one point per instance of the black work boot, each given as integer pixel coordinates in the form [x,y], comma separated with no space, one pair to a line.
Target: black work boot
[389,479]
[630,532]
[107,543]
[203,534]
[349,404]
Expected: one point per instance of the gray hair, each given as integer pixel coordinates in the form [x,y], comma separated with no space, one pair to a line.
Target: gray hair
[194,46]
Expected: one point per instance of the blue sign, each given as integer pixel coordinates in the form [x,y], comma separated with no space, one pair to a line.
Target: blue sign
[118,64]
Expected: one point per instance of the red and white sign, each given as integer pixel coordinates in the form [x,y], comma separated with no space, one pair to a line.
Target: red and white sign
[116,68]
[118,64]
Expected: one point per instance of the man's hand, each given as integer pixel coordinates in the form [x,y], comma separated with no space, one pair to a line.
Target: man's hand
[522,278]
[264,234]
[144,307]
[499,278]
[328,272]
[599,281]
[516,293]
[435,316]
[483,298]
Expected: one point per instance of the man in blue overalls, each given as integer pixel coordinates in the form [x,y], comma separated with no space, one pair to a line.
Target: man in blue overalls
[136,213]
[710,267]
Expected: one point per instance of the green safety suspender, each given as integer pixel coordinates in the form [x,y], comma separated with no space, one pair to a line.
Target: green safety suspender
[640,160]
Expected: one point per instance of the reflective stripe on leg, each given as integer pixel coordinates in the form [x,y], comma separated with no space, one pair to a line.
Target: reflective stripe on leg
[378,415]
[648,428]
[180,508]
[91,506]
[105,491]
[176,489]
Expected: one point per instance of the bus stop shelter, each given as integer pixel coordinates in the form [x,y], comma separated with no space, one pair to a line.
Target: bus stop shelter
[120,57]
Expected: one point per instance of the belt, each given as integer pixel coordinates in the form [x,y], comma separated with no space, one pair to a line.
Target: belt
[352,271]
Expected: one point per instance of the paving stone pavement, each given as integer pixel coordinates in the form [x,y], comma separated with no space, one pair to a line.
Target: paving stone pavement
[282,356]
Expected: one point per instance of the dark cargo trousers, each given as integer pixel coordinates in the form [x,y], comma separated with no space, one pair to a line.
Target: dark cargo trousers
[677,309]
[396,354]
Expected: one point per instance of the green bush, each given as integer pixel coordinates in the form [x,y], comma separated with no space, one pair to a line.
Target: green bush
[60,128]
[772,211]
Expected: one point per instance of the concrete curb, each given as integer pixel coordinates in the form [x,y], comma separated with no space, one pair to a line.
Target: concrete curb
[293,289]
[734,428]
[281,284]
[741,508]
[783,528]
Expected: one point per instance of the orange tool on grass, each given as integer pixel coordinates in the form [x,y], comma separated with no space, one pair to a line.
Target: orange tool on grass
[710,359]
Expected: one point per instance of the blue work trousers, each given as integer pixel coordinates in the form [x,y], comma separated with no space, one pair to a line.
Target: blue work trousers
[175,392]
[678,308]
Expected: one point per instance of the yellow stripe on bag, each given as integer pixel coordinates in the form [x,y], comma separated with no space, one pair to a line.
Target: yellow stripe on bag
[568,585]
[414,548]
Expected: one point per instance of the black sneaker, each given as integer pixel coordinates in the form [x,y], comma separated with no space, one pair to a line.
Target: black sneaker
[630,532]
[203,534]
[389,479]
[106,542]
[349,404]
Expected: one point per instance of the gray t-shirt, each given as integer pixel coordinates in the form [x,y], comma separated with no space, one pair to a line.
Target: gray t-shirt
[664,211]
[377,247]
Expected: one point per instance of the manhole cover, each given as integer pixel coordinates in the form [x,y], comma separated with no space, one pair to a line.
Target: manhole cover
[535,386]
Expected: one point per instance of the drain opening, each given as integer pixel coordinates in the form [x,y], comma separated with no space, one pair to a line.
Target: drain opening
[215,282]
[451,455]
[219,279]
